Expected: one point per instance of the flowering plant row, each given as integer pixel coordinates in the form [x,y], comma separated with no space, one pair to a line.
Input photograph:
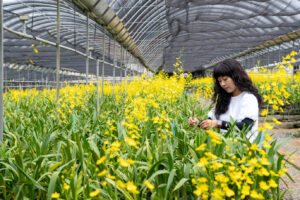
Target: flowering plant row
[137,146]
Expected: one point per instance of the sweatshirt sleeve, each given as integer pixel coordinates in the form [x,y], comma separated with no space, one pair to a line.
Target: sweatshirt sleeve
[211,114]
[249,108]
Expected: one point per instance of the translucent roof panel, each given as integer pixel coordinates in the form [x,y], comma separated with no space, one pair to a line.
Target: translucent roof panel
[146,22]
[41,23]
[209,29]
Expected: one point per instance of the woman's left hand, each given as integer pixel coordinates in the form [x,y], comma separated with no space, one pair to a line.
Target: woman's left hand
[208,123]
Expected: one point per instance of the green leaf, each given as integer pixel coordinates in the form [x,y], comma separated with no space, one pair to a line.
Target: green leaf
[153,167]
[126,194]
[180,183]
[36,184]
[52,184]
[159,172]
[170,180]
[54,166]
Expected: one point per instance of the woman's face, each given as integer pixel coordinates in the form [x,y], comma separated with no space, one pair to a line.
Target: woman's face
[227,84]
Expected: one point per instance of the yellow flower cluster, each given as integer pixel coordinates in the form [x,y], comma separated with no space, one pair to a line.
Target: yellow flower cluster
[228,172]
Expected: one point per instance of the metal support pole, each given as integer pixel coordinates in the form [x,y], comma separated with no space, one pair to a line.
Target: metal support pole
[103,57]
[292,63]
[114,69]
[87,50]
[97,78]
[1,70]
[125,72]
[268,56]
[279,56]
[58,51]
[130,70]
[121,63]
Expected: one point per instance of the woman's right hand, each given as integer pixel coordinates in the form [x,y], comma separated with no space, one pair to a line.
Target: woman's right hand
[193,121]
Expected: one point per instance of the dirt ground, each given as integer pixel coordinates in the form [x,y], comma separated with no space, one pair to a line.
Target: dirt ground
[293,145]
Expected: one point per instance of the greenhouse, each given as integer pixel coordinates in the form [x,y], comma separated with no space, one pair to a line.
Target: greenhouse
[150,99]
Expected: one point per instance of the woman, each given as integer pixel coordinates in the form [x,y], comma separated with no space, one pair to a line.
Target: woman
[235,97]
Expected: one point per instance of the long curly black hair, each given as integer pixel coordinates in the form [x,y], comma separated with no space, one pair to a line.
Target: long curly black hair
[237,73]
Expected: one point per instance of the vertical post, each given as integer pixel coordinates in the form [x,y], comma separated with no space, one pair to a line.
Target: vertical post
[129,64]
[121,63]
[268,56]
[114,69]
[42,79]
[87,50]
[103,57]
[292,63]
[1,70]
[97,78]
[279,59]
[125,72]
[58,51]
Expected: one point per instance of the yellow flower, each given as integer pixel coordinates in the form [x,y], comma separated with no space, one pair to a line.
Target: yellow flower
[263,172]
[101,160]
[111,177]
[201,147]
[149,185]
[245,190]
[293,53]
[115,146]
[263,185]
[198,192]
[123,162]
[276,121]
[216,165]
[275,107]
[202,180]
[194,181]
[264,113]
[104,183]
[131,142]
[218,194]
[229,192]
[268,137]
[66,186]
[103,173]
[256,195]
[131,162]
[131,187]
[95,193]
[264,161]
[203,161]
[254,147]
[266,145]
[55,195]
[35,50]
[201,189]
[121,184]
[273,184]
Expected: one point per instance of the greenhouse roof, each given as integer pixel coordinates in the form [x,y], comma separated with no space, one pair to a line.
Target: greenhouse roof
[152,32]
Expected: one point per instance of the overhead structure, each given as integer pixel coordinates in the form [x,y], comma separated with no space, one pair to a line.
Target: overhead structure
[211,30]
[150,33]
[30,38]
